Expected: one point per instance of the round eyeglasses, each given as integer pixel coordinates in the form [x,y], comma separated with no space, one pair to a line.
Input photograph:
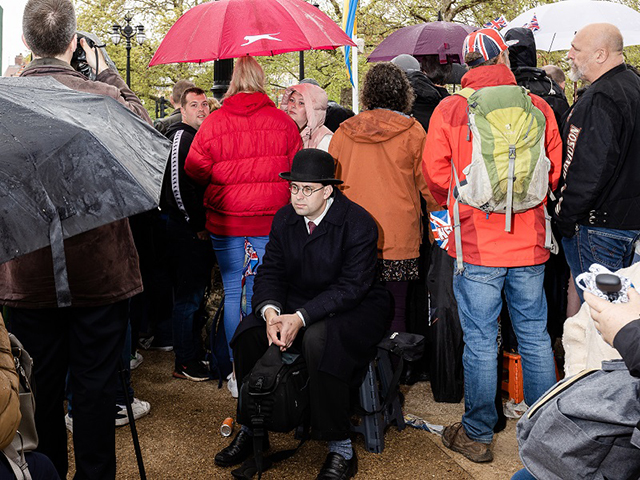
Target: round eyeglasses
[307,191]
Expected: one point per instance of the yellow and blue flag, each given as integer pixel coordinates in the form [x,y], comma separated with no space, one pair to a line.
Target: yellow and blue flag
[349,26]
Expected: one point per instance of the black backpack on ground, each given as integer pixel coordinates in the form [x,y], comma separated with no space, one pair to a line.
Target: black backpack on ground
[273,397]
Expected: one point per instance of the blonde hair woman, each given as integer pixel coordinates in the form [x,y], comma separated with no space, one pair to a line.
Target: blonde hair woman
[237,154]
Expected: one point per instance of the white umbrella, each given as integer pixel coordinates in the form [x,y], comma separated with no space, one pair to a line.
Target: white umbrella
[559,22]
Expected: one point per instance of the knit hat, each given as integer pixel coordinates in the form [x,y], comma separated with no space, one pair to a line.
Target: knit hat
[488,42]
[407,63]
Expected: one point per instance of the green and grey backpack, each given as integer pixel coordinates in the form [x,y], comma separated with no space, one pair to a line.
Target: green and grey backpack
[509,169]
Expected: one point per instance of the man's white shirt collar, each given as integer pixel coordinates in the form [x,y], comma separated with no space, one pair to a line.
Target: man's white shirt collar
[321,216]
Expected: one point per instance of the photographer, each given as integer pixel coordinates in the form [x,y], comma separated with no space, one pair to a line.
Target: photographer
[619,325]
[87,338]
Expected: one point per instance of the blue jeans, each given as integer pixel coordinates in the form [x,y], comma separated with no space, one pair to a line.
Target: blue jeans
[191,263]
[609,247]
[230,255]
[478,291]
[523,475]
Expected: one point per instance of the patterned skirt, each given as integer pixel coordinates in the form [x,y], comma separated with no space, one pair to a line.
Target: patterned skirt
[398,270]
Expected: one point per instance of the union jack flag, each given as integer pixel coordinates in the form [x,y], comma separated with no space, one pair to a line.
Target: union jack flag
[441,228]
[248,269]
[533,25]
[497,24]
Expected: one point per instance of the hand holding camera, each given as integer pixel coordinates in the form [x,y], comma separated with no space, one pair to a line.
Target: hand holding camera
[602,283]
[93,55]
[609,318]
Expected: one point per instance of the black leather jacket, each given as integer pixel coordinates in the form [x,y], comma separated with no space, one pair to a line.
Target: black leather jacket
[601,170]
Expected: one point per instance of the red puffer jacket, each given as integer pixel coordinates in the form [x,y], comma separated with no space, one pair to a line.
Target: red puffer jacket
[238,153]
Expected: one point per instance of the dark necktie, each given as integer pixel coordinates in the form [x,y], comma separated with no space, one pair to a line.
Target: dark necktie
[312,227]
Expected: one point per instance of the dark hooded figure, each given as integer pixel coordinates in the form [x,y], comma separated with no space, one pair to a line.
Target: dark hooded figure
[428,92]
[522,57]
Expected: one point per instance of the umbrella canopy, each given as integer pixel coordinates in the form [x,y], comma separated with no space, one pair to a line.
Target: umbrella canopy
[558,22]
[70,162]
[235,28]
[433,38]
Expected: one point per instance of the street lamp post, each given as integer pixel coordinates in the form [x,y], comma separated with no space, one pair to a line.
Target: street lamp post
[128,32]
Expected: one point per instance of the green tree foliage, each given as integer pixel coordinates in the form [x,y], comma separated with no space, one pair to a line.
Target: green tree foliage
[376,19]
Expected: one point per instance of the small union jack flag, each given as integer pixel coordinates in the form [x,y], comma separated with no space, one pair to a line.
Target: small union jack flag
[248,269]
[533,25]
[497,24]
[441,228]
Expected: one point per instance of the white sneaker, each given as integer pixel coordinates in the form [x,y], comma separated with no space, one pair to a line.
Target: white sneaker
[136,360]
[139,407]
[68,421]
[232,385]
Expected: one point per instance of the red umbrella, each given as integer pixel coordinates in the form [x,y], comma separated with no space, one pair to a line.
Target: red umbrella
[234,28]
[433,38]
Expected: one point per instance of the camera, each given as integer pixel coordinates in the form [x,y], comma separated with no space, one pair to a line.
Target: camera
[79,59]
[605,284]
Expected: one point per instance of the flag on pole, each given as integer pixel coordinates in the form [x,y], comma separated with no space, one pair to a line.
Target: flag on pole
[349,26]
[533,25]
[497,23]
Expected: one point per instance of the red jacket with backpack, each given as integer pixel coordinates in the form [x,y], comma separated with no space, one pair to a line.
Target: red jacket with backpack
[484,239]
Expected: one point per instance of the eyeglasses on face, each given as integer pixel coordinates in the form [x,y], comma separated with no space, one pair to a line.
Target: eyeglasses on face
[307,191]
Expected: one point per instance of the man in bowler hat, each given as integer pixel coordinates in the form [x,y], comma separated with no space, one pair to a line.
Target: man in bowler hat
[316,294]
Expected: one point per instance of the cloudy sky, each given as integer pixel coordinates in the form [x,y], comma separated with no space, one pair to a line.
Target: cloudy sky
[12,31]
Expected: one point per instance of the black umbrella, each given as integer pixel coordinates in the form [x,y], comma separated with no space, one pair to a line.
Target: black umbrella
[70,162]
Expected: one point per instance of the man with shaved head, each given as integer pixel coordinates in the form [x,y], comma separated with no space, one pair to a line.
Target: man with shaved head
[598,210]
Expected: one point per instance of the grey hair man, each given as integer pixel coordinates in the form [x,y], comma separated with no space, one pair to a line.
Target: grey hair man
[597,208]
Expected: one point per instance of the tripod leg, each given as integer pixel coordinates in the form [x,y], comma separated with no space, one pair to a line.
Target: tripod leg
[132,421]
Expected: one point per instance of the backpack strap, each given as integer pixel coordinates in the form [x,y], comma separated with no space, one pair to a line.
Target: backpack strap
[17,462]
[456,219]
[257,422]
[550,242]
[559,387]
[465,92]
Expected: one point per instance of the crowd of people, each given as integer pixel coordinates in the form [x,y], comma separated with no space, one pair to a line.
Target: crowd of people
[316,219]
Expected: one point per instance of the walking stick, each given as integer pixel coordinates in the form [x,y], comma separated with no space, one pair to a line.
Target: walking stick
[132,421]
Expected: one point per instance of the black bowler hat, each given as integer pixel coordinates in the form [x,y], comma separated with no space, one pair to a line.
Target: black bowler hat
[312,165]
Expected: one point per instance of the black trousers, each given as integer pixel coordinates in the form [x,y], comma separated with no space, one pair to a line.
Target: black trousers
[330,396]
[87,342]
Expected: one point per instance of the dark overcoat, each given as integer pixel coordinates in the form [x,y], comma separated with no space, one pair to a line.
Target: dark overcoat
[330,276]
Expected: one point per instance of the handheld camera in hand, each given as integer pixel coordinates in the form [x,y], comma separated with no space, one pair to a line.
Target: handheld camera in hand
[79,59]
[603,283]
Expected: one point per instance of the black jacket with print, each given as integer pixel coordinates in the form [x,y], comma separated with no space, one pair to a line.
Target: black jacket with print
[601,170]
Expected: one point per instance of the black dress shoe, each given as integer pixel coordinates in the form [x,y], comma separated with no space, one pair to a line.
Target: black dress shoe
[337,468]
[238,450]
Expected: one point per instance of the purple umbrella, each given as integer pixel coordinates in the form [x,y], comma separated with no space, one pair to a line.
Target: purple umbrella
[433,38]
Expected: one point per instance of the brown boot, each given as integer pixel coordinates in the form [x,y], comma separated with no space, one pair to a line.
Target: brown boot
[455,438]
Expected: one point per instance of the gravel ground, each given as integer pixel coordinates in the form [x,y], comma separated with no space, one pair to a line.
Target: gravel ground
[180,437]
